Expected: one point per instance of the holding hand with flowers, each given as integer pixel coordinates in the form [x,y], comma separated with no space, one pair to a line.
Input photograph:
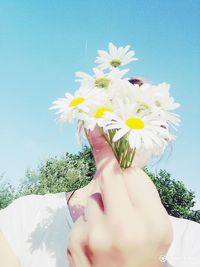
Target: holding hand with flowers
[133,115]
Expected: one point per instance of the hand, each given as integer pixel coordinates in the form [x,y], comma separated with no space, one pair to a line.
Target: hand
[125,223]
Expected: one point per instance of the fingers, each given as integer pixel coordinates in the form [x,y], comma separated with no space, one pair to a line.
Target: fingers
[89,234]
[94,210]
[99,239]
[102,151]
[95,219]
[143,192]
[141,187]
[114,194]
[76,250]
[70,258]
[110,178]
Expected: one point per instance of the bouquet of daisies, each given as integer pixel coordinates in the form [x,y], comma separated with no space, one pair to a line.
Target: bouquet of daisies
[134,116]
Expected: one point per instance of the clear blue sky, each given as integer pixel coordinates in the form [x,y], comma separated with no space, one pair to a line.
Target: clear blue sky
[42,44]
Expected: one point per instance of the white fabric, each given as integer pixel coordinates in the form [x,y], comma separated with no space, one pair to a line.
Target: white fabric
[37,228]
[185,248]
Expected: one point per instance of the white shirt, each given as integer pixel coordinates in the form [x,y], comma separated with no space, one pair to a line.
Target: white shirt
[37,228]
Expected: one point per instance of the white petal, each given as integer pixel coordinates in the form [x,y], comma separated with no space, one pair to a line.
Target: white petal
[103,54]
[119,134]
[112,49]
[113,126]
[137,139]
[126,48]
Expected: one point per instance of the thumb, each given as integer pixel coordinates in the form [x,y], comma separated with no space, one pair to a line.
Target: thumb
[101,149]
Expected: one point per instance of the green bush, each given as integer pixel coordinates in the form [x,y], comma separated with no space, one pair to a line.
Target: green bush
[7,193]
[58,175]
[175,197]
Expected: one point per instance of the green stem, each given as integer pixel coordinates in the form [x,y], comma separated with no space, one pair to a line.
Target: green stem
[121,148]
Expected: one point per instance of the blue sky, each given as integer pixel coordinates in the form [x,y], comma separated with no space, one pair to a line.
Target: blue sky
[43,43]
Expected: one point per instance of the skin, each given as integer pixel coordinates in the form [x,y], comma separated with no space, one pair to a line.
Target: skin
[121,221]
[7,256]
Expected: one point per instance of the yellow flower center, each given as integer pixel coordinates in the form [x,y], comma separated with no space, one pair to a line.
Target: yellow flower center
[102,82]
[76,101]
[115,63]
[100,112]
[135,123]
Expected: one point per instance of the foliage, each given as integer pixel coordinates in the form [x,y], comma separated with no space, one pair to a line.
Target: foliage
[68,173]
[7,193]
[194,216]
[176,198]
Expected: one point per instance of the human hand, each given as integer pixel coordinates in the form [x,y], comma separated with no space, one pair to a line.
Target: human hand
[125,223]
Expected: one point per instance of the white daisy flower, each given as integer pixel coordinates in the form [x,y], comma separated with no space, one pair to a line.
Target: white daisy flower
[77,105]
[96,117]
[158,100]
[164,103]
[100,79]
[141,132]
[115,58]
[121,89]
[135,116]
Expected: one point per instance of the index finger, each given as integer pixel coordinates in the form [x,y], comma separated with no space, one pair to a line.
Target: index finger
[101,150]
[110,178]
